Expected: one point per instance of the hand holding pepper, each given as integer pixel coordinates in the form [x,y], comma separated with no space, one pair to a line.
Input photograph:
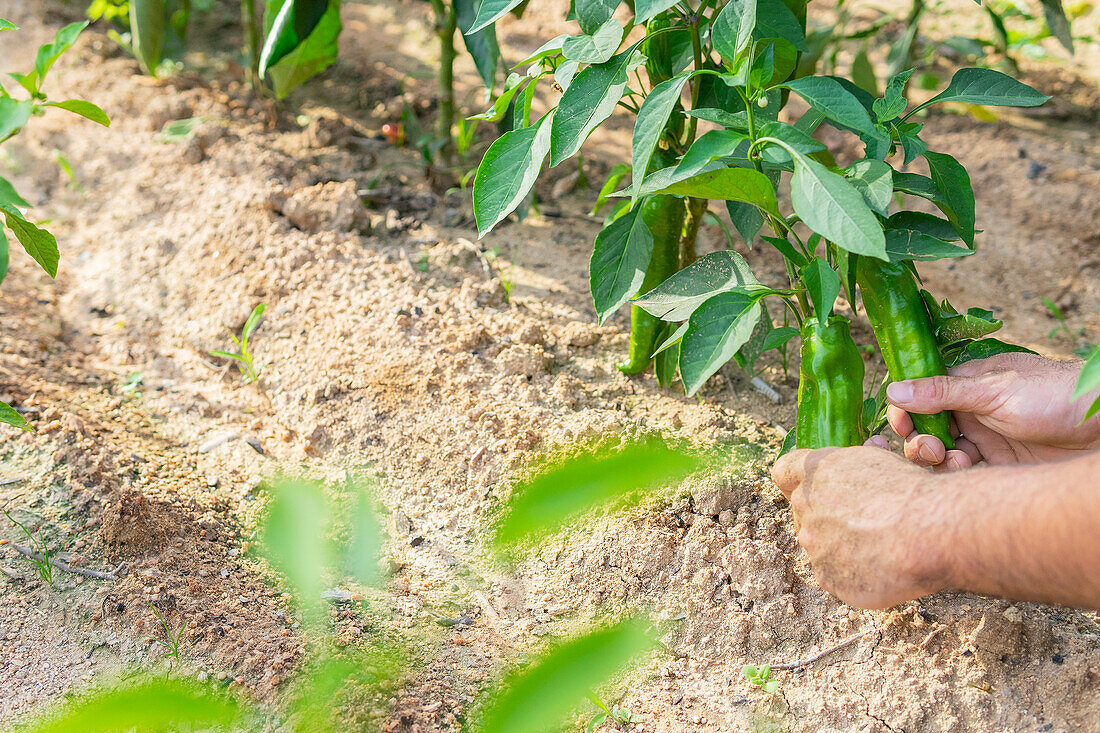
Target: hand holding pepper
[1011,408]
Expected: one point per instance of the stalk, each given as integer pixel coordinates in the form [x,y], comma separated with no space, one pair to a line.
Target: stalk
[780,229]
[252,41]
[695,210]
[446,23]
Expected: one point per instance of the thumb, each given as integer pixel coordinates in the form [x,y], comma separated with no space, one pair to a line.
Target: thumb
[930,395]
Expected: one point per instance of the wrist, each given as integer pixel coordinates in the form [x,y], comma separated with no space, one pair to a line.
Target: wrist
[939,557]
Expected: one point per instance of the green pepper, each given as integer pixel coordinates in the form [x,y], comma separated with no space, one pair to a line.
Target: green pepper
[904,332]
[664,215]
[830,386]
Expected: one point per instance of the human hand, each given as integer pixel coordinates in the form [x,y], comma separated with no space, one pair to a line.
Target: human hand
[876,527]
[1010,408]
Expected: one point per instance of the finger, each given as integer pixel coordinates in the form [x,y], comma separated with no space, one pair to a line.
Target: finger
[877,441]
[955,460]
[924,450]
[935,394]
[899,420]
[790,470]
[970,449]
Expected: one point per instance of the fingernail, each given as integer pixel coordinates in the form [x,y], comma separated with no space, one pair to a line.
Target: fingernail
[900,392]
[927,454]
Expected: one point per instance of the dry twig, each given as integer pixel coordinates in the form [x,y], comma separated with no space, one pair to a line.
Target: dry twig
[811,659]
[66,568]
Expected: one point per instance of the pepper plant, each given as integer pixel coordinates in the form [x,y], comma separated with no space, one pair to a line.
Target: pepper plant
[733,66]
[15,112]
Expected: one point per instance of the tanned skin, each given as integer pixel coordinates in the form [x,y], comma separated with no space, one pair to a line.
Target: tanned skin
[1013,511]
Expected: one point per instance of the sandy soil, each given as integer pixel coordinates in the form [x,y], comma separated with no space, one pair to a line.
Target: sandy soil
[395,340]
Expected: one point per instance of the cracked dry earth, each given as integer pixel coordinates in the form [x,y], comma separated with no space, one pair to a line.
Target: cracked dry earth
[392,341]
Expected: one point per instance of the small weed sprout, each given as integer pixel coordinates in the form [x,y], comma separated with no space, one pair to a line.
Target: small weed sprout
[620,716]
[761,677]
[249,371]
[171,640]
[133,383]
[1081,347]
[42,561]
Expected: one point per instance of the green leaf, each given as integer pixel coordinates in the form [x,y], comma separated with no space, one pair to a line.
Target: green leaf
[620,257]
[253,320]
[717,330]
[731,31]
[925,223]
[874,179]
[829,205]
[646,9]
[293,538]
[983,349]
[908,244]
[987,87]
[288,23]
[550,48]
[915,184]
[7,25]
[661,179]
[13,115]
[618,173]
[152,705]
[954,194]
[913,146]
[789,134]
[540,698]
[4,255]
[512,85]
[589,100]
[863,73]
[39,243]
[50,52]
[481,45]
[9,196]
[490,11]
[893,102]
[712,274]
[596,48]
[508,171]
[147,21]
[823,285]
[778,337]
[830,98]
[8,414]
[746,218]
[84,109]
[725,118]
[729,184]
[1088,381]
[1057,22]
[673,340]
[584,480]
[227,354]
[593,14]
[790,442]
[710,146]
[297,48]
[950,326]
[652,117]
[774,19]
[666,363]
[787,250]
